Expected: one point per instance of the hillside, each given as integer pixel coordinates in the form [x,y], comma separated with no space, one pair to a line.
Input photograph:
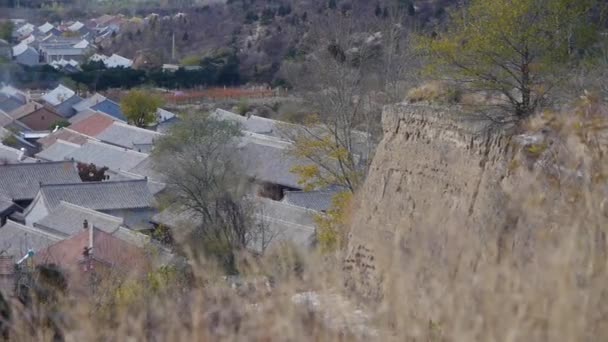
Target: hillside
[262,34]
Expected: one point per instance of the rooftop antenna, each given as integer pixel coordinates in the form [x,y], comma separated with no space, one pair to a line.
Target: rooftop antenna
[30,253]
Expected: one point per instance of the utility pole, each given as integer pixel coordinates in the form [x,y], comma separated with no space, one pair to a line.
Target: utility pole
[173,48]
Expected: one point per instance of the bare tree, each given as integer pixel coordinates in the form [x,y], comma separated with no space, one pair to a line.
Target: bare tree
[353,67]
[199,162]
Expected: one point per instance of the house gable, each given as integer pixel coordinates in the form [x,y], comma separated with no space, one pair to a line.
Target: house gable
[41,119]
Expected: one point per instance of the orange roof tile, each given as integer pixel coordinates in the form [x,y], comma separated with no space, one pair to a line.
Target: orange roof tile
[93,125]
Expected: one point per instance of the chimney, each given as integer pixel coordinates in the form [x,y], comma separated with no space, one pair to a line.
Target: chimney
[91,240]
[21,156]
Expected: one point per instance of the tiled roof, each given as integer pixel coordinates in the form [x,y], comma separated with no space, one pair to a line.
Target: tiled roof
[65,134]
[93,125]
[128,136]
[281,223]
[98,153]
[17,239]
[108,195]
[164,115]
[67,219]
[117,61]
[9,155]
[5,119]
[319,200]
[146,169]
[9,104]
[110,107]
[5,204]
[25,110]
[284,223]
[252,123]
[76,26]
[107,249]
[154,185]
[175,217]
[14,92]
[66,108]
[269,161]
[84,114]
[22,181]
[46,27]
[58,95]
[58,151]
[89,102]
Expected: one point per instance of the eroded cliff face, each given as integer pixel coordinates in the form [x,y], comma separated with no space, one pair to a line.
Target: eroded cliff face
[444,189]
[432,172]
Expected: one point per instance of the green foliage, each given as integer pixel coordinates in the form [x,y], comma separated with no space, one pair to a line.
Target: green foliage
[242,108]
[331,163]
[59,124]
[512,47]
[140,107]
[190,61]
[6,30]
[332,226]
[10,140]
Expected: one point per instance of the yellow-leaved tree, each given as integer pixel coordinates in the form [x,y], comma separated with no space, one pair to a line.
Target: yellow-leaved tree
[514,48]
[331,226]
[140,107]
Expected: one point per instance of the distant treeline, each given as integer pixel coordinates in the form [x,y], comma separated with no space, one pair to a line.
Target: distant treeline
[94,75]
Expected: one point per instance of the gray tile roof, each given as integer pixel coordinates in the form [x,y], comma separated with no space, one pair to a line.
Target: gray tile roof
[146,169]
[10,104]
[252,123]
[22,181]
[128,136]
[66,108]
[281,223]
[285,223]
[115,158]
[89,102]
[67,219]
[109,195]
[175,217]
[96,152]
[268,160]
[319,200]
[9,155]
[58,151]
[154,186]
[17,239]
[5,204]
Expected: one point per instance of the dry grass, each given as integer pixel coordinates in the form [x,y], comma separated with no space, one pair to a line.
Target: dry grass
[552,287]
[435,92]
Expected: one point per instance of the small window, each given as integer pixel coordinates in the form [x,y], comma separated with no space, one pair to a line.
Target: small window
[43,117]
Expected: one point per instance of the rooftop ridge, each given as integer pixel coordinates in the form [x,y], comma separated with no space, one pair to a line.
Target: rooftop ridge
[124,149]
[37,163]
[76,132]
[288,205]
[93,212]
[61,141]
[265,140]
[83,184]
[33,230]
[124,124]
